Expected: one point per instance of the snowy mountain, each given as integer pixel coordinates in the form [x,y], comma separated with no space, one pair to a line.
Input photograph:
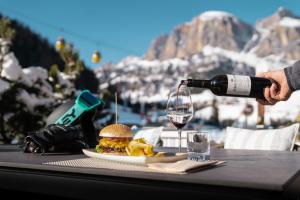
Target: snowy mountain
[214,42]
[214,28]
[277,35]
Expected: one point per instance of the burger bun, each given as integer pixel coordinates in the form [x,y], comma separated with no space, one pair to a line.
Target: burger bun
[116,130]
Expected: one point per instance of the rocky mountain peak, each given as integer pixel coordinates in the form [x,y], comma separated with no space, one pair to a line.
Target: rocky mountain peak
[274,19]
[277,35]
[213,28]
[283,12]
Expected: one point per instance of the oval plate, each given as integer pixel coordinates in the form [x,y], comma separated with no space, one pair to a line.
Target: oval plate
[136,160]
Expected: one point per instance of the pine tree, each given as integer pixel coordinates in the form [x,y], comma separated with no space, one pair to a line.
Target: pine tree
[53,78]
[6,36]
[18,116]
[6,32]
[20,121]
[79,74]
[73,65]
[53,72]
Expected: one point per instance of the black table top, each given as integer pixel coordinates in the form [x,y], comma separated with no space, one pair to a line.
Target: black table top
[271,171]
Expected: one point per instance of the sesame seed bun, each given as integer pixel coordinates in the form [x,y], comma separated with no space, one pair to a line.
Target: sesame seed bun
[116,130]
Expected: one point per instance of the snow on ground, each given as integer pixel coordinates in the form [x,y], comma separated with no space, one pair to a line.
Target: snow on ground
[290,22]
[132,62]
[260,64]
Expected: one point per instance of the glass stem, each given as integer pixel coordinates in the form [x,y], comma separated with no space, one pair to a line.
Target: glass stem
[179,133]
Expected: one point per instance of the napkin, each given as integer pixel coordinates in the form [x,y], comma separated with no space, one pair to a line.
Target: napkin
[183,166]
[151,135]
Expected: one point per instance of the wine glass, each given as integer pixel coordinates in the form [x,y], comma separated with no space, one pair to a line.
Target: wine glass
[180,108]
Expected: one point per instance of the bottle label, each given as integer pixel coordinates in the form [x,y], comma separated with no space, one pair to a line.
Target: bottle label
[239,85]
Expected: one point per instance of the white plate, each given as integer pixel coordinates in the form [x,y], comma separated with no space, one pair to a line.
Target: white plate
[137,160]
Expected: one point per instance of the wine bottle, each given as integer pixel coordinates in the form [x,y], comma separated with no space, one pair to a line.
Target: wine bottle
[232,85]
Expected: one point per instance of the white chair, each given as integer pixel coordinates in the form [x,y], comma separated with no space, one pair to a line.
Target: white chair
[282,139]
[170,137]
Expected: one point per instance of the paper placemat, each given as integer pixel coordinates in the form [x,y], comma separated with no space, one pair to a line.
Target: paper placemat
[180,167]
[100,164]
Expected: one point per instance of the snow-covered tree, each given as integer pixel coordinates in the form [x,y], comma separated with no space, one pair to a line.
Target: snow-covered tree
[26,95]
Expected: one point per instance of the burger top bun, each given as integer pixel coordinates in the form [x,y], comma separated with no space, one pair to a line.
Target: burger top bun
[116,130]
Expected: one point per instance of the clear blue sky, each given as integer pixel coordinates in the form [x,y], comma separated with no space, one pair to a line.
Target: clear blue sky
[125,27]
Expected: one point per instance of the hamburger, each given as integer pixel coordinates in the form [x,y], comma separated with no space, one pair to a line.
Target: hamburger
[114,139]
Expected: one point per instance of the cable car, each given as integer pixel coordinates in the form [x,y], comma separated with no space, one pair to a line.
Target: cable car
[60,43]
[96,57]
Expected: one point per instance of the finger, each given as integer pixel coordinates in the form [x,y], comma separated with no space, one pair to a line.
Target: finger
[267,94]
[274,91]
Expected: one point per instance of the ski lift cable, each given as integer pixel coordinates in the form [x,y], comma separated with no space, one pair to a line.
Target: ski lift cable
[83,37]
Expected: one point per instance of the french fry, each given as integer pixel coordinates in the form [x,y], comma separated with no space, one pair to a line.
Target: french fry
[159,154]
[139,147]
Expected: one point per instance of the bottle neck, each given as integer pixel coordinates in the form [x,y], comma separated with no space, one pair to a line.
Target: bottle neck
[197,83]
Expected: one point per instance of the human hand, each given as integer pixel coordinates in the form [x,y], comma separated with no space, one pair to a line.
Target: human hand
[279,90]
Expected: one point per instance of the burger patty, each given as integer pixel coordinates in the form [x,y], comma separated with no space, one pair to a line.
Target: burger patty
[107,145]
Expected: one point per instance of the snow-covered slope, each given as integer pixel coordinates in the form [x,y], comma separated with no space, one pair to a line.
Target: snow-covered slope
[260,64]
[149,81]
[290,22]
